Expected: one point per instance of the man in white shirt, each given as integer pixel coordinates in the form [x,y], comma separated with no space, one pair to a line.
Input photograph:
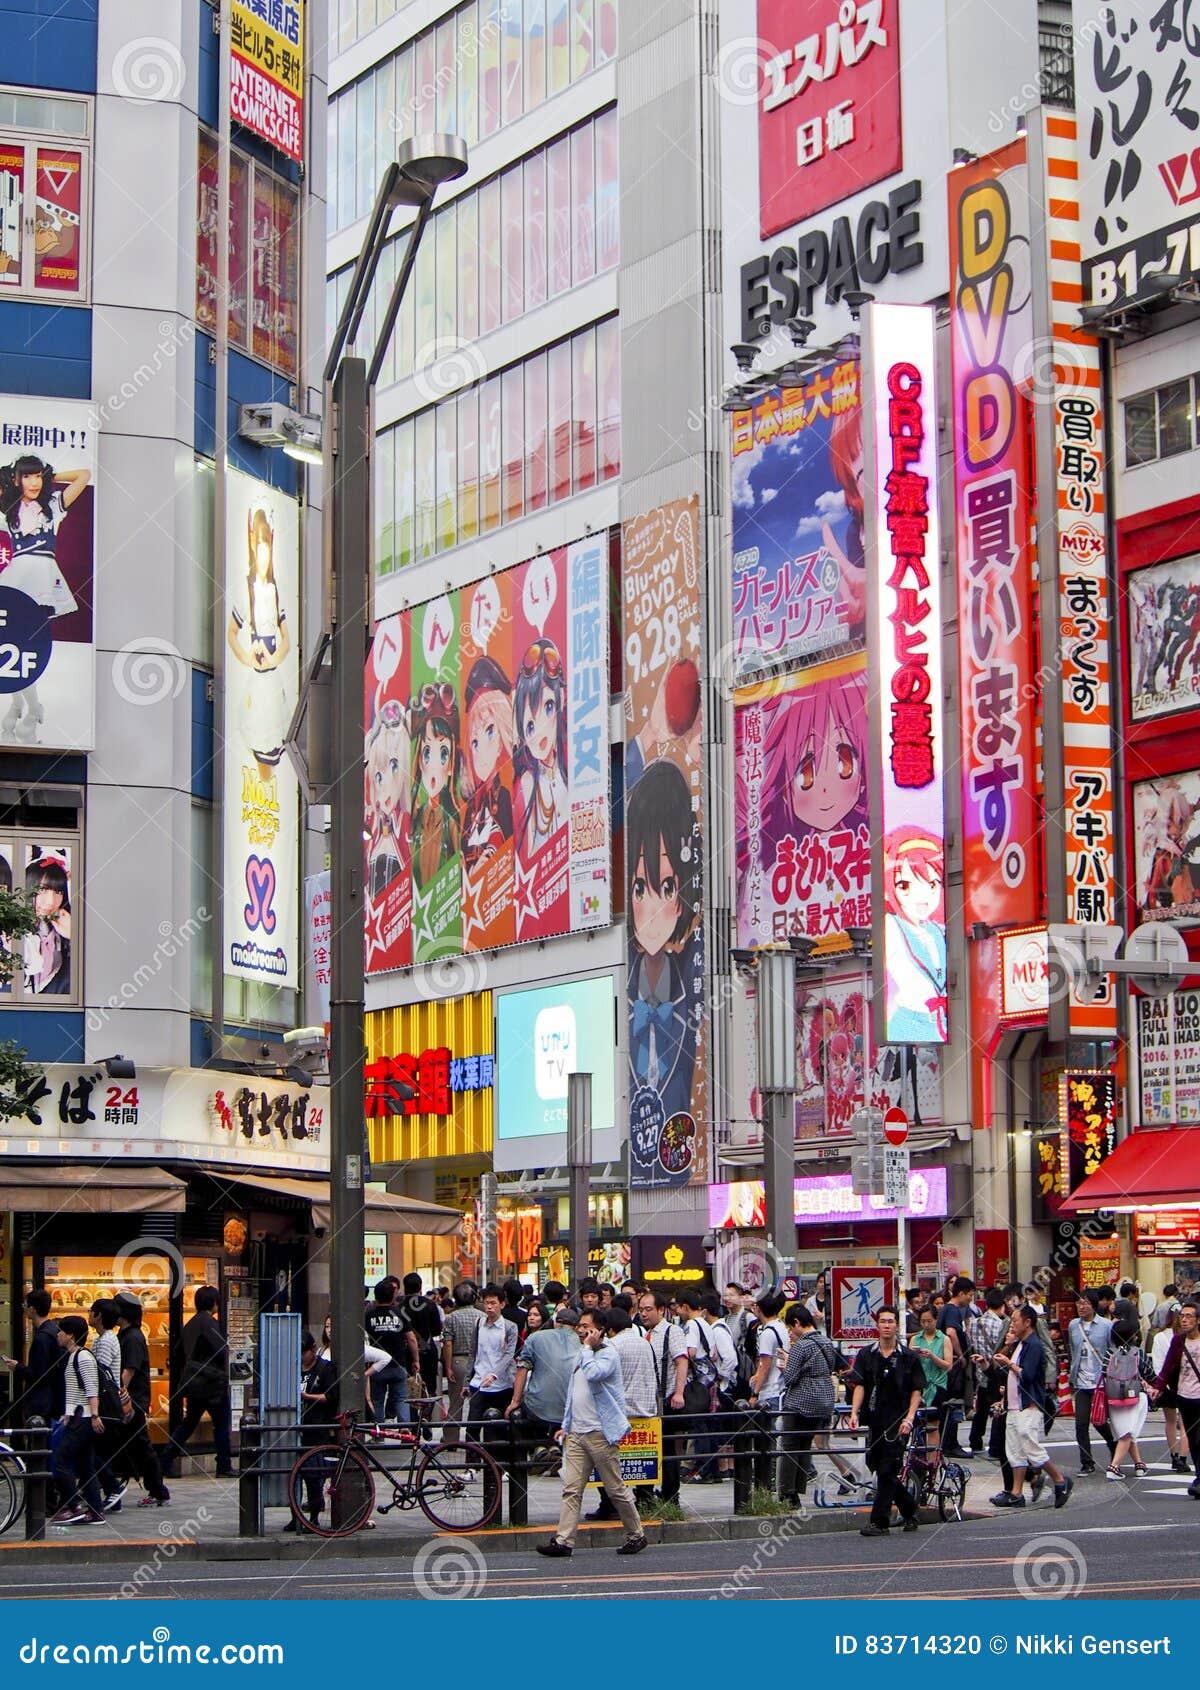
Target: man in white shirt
[637,1376]
[816,1304]
[766,1386]
[669,1348]
[495,1371]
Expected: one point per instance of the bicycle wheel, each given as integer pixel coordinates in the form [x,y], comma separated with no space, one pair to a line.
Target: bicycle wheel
[347,1490]
[458,1486]
[12,1491]
[914,1480]
[951,1493]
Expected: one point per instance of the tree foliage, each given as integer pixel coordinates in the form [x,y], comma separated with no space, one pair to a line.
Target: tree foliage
[18,1076]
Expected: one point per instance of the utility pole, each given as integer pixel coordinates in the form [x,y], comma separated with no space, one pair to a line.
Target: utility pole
[777,1086]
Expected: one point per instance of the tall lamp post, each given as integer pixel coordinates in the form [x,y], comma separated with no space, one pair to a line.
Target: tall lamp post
[424,164]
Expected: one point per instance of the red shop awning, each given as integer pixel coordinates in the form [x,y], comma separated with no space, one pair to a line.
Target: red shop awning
[1145,1169]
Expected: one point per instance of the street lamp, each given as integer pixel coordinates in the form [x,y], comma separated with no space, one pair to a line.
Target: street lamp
[423,165]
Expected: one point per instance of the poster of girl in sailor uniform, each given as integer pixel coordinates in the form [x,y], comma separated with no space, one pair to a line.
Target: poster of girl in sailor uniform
[47,469]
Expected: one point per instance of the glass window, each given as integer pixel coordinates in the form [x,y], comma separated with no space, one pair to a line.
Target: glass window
[447,475]
[608,192]
[560,420]
[583,359]
[426,304]
[558,215]
[366,17]
[535,231]
[468,266]
[425,484]
[386,9]
[425,91]
[447,90]
[608,398]
[349,24]
[514,443]
[560,45]
[404,494]
[285,291]
[367,180]
[468,73]
[385,276]
[514,243]
[468,463]
[489,67]
[385,503]
[1141,430]
[1175,419]
[489,454]
[405,329]
[385,118]
[537,490]
[347,105]
[331,154]
[511,101]
[583,200]
[490,292]
[535,53]
[606,30]
[445,231]
[404,96]
[581,38]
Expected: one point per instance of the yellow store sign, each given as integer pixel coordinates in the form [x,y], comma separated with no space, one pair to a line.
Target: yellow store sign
[463,1027]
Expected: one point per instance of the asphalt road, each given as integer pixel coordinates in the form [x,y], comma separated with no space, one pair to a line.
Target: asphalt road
[1138,1540]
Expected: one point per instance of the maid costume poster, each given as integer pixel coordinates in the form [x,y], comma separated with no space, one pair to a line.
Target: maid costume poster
[47,526]
[261,795]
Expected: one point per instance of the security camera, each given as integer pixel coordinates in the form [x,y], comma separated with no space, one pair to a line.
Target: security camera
[305,1038]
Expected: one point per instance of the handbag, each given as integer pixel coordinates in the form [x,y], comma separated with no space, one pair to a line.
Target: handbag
[1099,1414]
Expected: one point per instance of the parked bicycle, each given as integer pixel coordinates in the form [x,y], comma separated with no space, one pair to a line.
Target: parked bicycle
[928,1476]
[456,1485]
[12,1487]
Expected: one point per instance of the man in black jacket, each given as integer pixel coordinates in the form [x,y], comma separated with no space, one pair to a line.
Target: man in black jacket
[205,1386]
[40,1381]
[318,1410]
[136,1455]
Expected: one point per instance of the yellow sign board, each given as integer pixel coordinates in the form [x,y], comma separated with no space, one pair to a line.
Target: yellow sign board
[266,77]
[640,1453]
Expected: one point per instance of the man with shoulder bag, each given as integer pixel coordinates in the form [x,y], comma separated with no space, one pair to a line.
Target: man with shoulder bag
[1089,1339]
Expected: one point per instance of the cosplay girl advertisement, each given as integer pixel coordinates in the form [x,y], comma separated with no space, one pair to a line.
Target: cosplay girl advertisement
[664,822]
[802,836]
[47,522]
[541,755]
[489,732]
[387,829]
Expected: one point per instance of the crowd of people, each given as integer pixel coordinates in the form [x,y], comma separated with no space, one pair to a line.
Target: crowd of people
[566,1371]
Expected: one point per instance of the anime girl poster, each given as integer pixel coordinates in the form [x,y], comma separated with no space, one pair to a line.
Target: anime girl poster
[47,520]
[914,875]
[1166,832]
[801,803]
[387,799]
[840,1069]
[488,731]
[541,758]
[436,759]
[664,855]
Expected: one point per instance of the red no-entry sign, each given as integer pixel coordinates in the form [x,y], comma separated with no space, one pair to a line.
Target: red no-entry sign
[895,1126]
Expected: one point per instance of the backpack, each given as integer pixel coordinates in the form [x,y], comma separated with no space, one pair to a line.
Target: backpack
[1122,1377]
[111,1398]
[704,1368]
[746,1349]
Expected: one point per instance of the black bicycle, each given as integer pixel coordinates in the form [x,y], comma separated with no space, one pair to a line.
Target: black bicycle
[455,1485]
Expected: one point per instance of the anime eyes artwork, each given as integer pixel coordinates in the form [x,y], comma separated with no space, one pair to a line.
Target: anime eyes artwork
[1166,825]
[540,760]
[436,778]
[913,887]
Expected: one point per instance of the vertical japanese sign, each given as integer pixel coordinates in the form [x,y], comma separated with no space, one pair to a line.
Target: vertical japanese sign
[1135,78]
[1169,1059]
[318,924]
[905,629]
[664,847]
[799,576]
[266,78]
[47,529]
[801,808]
[261,795]
[828,104]
[990,331]
[587,718]
[1084,640]
[1088,1108]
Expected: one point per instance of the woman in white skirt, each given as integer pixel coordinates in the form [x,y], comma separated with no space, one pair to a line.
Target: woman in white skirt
[1123,1381]
[34,501]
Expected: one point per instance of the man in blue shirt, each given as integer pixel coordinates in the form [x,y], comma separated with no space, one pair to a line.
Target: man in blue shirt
[593,1426]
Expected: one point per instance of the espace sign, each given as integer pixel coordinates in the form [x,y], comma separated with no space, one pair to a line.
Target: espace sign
[828,106]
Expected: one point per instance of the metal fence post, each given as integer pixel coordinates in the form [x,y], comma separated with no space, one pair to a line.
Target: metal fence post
[35,1440]
[518,1475]
[250,1495]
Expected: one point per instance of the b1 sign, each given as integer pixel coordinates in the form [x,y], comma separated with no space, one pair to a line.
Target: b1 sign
[905,630]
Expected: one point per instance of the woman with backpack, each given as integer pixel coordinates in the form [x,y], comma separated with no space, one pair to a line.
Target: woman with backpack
[1127,1401]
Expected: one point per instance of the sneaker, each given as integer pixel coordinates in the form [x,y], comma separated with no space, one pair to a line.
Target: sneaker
[67,1517]
[912,1525]
[555,1548]
[633,1545]
[1006,1499]
[1062,1493]
[1114,1475]
[87,1517]
[1087,1468]
[1179,1464]
[1140,1469]
[872,1530]
[112,1502]
[1193,1489]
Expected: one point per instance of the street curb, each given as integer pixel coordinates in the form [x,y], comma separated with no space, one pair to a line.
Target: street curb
[503,1540]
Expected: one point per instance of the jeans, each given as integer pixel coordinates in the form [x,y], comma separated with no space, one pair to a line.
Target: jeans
[195,1408]
[796,1467]
[582,1452]
[1083,1429]
[987,1394]
[389,1395]
[76,1463]
[885,1460]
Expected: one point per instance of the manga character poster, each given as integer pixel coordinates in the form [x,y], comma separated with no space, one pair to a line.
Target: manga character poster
[47,526]
[1166,846]
[387,799]
[261,795]
[1164,638]
[799,572]
[664,835]
[541,754]
[486,668]
[802,841]
[840,1070]
[435,728]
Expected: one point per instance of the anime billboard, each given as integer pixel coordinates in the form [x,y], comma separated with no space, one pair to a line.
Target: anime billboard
[1166,846]
[1164,638]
